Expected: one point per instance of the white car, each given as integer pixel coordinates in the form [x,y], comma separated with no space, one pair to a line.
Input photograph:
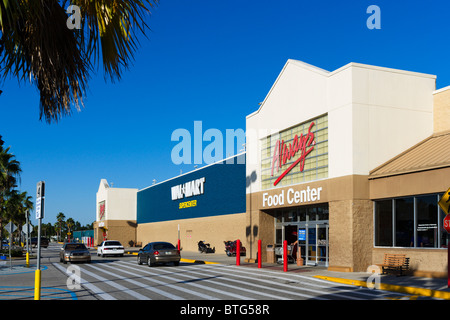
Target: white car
[110,247]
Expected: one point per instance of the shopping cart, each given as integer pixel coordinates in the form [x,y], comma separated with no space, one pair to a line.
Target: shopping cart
[290,256]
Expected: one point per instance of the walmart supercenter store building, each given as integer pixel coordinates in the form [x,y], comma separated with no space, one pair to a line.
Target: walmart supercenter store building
[350,162]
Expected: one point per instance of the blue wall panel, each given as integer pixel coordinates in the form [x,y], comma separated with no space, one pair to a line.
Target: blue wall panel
[224,193]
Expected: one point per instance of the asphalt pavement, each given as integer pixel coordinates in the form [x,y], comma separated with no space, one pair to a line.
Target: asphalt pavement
[430,287]
[412,285]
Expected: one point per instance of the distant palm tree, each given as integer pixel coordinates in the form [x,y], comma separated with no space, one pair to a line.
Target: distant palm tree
[70,223]
[60,223]
[37,45]
[9,174]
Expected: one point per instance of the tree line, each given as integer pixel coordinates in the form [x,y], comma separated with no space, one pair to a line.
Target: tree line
[15,204]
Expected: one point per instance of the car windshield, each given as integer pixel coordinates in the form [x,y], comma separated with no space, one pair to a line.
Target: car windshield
[113,243]
[75,246]
[160,246]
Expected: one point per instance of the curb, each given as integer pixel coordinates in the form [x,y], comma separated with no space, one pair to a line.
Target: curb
[391,287]
[198,261]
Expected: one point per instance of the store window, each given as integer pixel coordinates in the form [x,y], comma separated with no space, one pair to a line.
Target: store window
[383,223]
[409,222]
[404,222]
[427,222]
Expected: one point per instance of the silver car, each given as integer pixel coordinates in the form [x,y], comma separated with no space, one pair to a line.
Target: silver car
[159,252]
[74,252]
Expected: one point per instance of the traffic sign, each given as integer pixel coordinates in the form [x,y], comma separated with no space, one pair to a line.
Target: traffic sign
[447,223]
[40,196]
[10,227]
[444,202]
[26,230]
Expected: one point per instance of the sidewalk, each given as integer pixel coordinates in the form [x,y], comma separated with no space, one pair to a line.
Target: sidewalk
[430,287]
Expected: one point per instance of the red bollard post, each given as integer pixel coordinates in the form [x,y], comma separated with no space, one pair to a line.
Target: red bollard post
[259,254]
[238,252]
[179,245]
[285,256]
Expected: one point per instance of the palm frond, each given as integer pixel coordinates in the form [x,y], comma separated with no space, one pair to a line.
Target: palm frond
[37,46]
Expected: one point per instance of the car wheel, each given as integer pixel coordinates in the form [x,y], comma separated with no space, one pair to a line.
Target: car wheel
[176,263]
[139,260]
[149,262]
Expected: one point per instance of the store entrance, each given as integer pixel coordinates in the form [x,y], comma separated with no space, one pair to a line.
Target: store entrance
[308,225]
[313,243]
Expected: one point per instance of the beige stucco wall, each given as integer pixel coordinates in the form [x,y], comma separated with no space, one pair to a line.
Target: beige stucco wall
[120,203]
[441,111]
[370,110]
[213,230]
[351,235]
[422,262]
[121,230]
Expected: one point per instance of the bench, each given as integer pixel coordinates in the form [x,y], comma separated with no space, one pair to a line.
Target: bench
[394,262]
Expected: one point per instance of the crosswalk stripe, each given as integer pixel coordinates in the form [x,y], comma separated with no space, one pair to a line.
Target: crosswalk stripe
[94,289]
[222,284]
[147,287]
[226,293]
[326,284]
[248,273]
[178,288]
[115,285]
[308,296]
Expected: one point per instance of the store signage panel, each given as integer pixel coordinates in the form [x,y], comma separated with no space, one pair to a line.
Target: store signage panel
[185,190]
[214,190]
[101,210]
[292,197]
[300,148]
[301,234]
[295,155]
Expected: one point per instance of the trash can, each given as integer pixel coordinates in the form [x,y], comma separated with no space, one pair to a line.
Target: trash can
[270,251]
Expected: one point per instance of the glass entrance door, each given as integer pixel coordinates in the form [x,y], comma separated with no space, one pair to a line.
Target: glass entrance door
[313,243]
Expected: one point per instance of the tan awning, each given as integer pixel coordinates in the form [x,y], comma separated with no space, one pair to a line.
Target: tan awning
[431,153]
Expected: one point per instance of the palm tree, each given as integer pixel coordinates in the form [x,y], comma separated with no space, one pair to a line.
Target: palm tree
[60,223]
[15,206]
[37,45]
[70,223]
[9,173]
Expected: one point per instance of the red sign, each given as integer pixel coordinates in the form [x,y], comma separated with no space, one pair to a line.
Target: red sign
[447,223]
[284,152]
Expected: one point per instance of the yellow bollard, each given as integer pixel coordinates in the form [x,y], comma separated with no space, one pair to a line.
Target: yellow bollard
[37,285]
[28,260]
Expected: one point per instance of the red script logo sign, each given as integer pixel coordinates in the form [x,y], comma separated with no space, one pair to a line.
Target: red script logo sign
[284,152]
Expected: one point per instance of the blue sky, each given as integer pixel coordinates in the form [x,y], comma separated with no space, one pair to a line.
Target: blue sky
[210,61]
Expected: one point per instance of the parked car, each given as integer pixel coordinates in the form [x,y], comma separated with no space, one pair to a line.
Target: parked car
[44,242]
[159,252]
[74,252]
[110,247]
